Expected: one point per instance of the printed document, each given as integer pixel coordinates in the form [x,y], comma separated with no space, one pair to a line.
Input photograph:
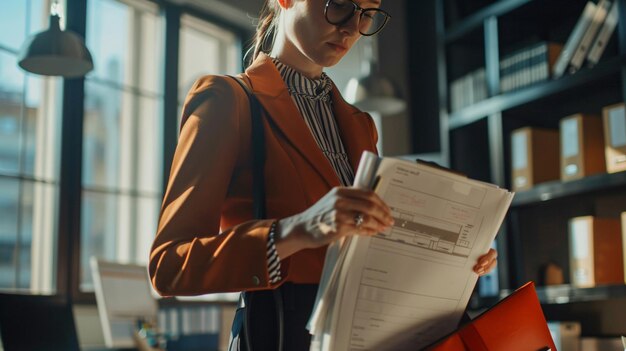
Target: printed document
[409,286]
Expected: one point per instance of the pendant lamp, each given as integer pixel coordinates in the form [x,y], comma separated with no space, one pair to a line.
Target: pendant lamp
[54,52]
[373,91]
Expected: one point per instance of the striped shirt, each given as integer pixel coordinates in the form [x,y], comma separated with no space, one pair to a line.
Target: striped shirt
[312,97]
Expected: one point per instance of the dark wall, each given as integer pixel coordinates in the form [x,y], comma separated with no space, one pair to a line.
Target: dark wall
[421,69]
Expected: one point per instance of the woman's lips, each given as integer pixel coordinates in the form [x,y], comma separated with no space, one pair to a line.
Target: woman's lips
[337,47]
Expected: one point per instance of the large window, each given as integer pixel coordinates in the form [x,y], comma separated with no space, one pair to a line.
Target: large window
[205,49]
[122,142]
[122,133]
[29,157]
[122,148]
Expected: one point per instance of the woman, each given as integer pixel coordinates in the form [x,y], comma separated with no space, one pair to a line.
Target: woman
[207,239]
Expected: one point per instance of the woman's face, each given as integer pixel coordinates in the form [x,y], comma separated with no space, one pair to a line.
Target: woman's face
[320,42]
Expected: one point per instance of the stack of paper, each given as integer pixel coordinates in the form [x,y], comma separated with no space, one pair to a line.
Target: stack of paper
[408,286]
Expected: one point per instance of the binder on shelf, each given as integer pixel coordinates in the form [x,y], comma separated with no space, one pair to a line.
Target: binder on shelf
[534,157]
[596,253]
[582,146]
[599,16]
[574,39]
[468,89]
[615,137]
[528,65]
[607,29]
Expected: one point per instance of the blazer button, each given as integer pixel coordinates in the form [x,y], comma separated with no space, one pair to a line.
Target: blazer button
[256,281]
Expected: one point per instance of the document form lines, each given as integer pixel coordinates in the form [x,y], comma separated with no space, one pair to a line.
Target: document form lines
[399,305]
[385,317]
[411,254]
[407,292]
[477,207]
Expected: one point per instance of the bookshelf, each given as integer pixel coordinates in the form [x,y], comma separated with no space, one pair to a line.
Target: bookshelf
[475,139]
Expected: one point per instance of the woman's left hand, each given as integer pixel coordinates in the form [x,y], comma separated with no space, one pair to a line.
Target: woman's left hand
[487,262]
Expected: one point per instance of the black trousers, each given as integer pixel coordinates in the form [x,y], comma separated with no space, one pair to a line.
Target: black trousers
[261,311]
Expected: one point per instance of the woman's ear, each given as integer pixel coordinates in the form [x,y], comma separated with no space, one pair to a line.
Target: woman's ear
[285,4]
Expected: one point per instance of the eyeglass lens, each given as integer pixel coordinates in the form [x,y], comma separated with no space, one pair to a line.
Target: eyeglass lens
[341,11]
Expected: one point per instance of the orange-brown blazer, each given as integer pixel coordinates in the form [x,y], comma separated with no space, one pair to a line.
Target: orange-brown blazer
[207,240]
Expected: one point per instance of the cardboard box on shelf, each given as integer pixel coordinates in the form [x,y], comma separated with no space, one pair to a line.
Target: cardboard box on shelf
[595,248]
[582,146]
[535,157]
[615,137]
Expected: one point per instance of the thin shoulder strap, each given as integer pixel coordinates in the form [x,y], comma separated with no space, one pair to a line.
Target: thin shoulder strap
[258,152]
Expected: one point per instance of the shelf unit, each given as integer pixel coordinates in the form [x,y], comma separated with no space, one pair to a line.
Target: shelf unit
[475,140]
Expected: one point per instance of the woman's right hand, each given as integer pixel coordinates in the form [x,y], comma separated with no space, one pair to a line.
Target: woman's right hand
[332,217]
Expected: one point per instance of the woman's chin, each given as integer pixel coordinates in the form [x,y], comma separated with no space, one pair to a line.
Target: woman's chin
[330,60]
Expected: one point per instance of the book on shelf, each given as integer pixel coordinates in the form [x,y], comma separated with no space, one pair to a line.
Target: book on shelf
[573,40]
[468,90]
[614,118]
[601,40]
[582,146]
[409,285]
[596,255]
[580,54]
[534,157]
[528,65]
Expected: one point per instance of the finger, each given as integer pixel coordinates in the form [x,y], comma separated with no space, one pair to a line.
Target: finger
[488,257]
[371,210]
[491,266]
[482,269]
[485,270]
[366,232]
[369,223]
[365,195]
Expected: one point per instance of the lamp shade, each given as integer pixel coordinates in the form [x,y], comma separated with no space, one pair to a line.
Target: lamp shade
[374,92]
[54,52]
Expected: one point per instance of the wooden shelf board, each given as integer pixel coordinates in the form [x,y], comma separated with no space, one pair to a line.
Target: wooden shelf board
[477,19]
[533,93]
[557,189]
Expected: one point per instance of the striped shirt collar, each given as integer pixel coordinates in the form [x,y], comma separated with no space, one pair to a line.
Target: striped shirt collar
[298,84]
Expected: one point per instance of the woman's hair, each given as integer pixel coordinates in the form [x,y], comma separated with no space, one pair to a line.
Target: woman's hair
[265,30]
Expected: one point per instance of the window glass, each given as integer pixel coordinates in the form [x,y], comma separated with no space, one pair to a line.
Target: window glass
[152,45]
[122,140]
[9,205]
[122,145]
[13,24]
[117,227]
[109,40]
[205,49]
[29,157]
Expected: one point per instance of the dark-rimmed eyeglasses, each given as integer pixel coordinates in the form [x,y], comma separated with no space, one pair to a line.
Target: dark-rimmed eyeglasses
[371,20]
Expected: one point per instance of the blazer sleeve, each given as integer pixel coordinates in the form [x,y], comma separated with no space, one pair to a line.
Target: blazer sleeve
[190,255]
[373,132]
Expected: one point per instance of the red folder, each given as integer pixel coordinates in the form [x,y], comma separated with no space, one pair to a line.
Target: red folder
[516,323]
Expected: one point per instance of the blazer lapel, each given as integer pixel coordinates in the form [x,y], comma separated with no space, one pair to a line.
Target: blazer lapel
[270,89]
[354,129]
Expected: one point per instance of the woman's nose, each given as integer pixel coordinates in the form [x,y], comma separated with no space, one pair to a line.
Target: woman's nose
[352,26]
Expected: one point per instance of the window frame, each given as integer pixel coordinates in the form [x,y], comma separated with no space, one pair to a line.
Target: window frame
[73,91]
